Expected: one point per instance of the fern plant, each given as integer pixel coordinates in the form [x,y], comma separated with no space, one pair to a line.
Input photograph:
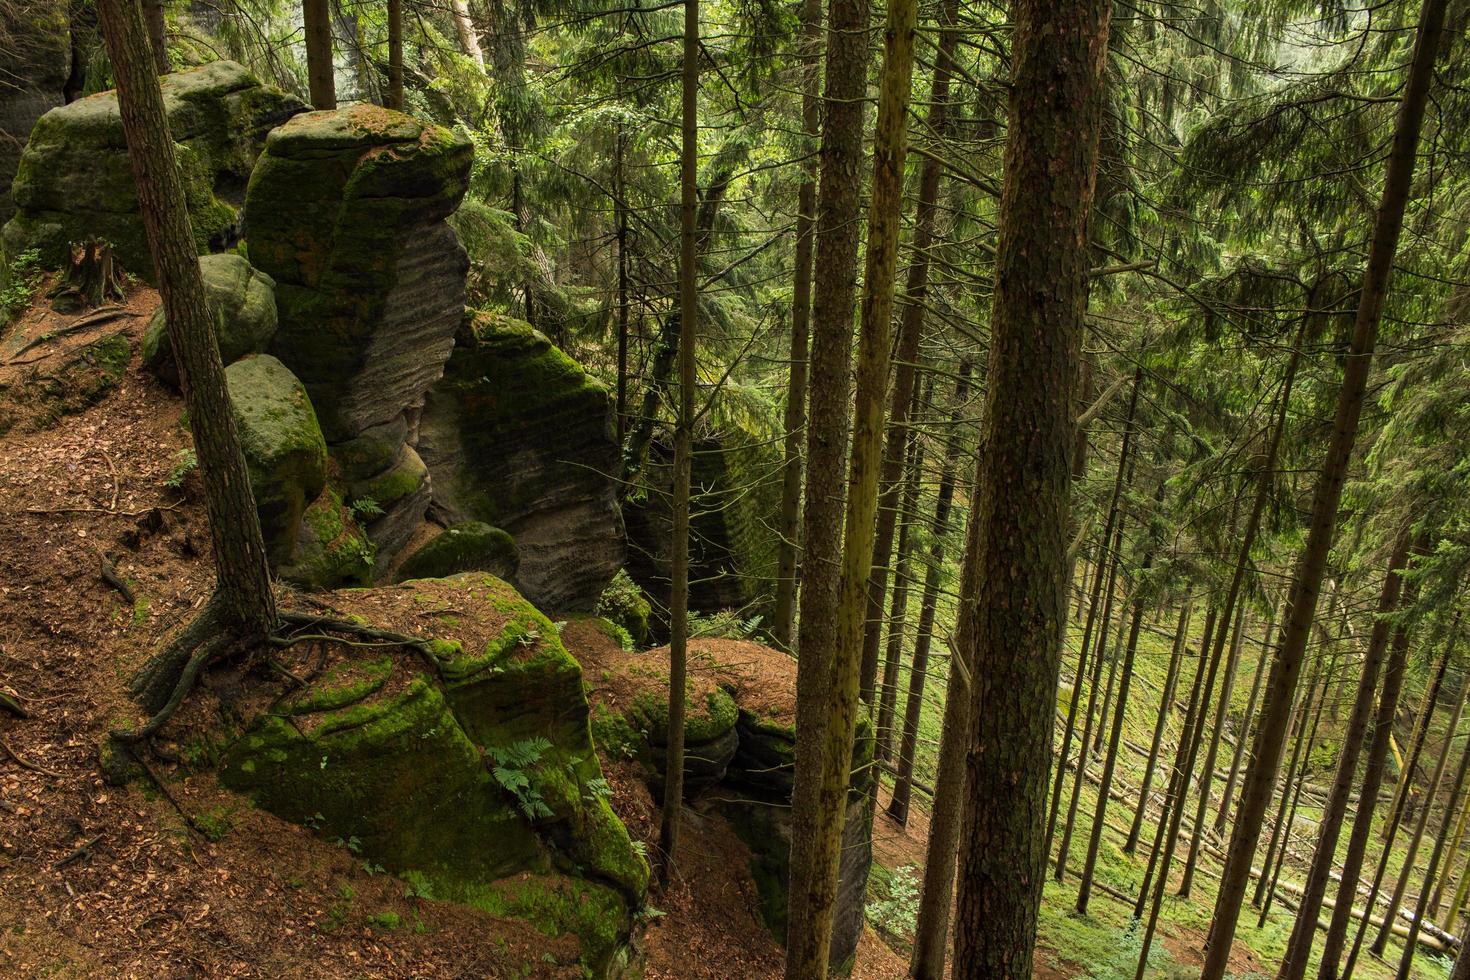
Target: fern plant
[512,770]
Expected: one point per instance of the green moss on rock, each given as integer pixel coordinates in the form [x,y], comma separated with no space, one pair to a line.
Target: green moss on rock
[331,549]
[243,302]
[465,547]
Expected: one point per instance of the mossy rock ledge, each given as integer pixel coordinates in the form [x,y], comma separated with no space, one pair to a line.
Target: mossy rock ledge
[464,547]
[243,301]
[518,436]
[37,74]
[469,773]
[74,180]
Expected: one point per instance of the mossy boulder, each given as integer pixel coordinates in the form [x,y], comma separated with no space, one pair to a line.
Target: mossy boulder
[469,773]
[518,436]
[75,180]
[624,604]
[332,549]
[284,449]
[465,547]
[346,211]
[243,301]
[393,503]
[37,65]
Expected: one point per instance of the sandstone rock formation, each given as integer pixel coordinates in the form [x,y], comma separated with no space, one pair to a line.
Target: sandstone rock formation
[467,546]
[243,300]
[391,751]
[518,436]
[75,181]
[36,63]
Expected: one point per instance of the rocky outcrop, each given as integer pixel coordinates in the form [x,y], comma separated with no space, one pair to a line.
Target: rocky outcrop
[346,212]
[243,301]
[75,181]
[36,64]
[732,536]
[518,436]
[469,772]
[467,546]
[284,450]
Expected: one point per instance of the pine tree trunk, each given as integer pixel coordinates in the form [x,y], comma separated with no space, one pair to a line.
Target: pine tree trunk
[789,549]
[1039,302]
[1307,581]
[1242,735]
[903,576]
[1296,779]
[1404,786]
[1166,702]
[1303,713]
[1406,871]
[465,32]
[393,97]
[1455,840]
[320,71]
[1107,698]
[673,802]
[910,332]
[898,805]
[620,220]
[243,586]
[1352,862]
[1304,931]
[157,25]
[839,540]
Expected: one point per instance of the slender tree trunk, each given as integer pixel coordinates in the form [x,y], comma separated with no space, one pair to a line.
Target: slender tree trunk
[1402,789]
[1243,733]
[465,32]
[910,332]
[393,98]
[903,574]
[832,599]
[157,24]
[673,801]
[1456,839]
[1304,931]
[1110,762]
[1421,907]
[1303,712]
[1295,782]
[320,71]
[243,587]
[1306,583]
[1461,969]
[1352,862]
[1107,699]
[931,929]
[898,806]
[1406,871]
[783,628]
[1040,297]
[1166,701]
[620,211]
[1458,902]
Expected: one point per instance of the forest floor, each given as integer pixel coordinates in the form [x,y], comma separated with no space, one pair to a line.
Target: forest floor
[173,876]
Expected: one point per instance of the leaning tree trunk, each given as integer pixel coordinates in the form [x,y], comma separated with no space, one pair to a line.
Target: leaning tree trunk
[320,71]
[903,573]
[1455,840]
[1404,785]
[903,784]
[1352,861]
[1299,947]
[242,606]
[673,801]
[1022,490]
[1303,712]
[1307,582]
[1242,735]
[465,32]
[1166,702]
[910,332]
[393,97]
[835,568]
[789,545]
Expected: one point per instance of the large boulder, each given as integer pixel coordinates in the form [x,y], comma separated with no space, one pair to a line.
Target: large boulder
[284,450]
[75,180]
[469,546]
[467,769]
[243,301]
[518,436]
[346,211]
[36,63]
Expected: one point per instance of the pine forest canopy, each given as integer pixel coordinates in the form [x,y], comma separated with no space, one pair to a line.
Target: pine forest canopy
[731,488]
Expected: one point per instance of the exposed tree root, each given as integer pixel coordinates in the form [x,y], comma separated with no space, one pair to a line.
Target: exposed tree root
[19,760]
[13,706]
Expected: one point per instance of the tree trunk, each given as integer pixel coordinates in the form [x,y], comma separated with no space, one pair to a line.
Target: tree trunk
[1022,490]
[1403,787]
[157,24]
[1352,862]
[243,586]
[1296,778]
[1299,947]
[1307,581]
[898,806]
[320,71]
[1455,840]
[831,598]
[903,574]
[464,30]
[1242,734]
[1303,711]
[620,212]
[1166,702]
[789,547]
[1416,841]
[673,801]
[393,98]
[910,332]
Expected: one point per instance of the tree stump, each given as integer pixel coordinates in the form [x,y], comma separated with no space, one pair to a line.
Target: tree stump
[91,279]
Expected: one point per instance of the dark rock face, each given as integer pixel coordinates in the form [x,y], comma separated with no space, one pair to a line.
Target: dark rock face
[346,211]
[733,537]
[35,61]
[75,180]
[516,435]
